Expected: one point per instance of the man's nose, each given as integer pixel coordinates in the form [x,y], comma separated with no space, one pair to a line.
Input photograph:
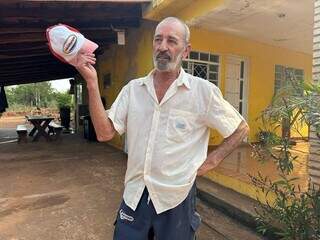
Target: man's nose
[163,46]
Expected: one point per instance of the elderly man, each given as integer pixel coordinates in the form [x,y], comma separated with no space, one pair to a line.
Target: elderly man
[166,116]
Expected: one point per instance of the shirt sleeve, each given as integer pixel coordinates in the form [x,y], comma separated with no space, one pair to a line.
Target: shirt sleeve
[221,115]
[119,111]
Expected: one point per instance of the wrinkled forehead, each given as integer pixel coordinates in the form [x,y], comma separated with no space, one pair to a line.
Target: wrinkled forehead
[170,28]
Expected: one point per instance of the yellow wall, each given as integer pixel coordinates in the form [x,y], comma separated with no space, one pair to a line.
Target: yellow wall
[262,59]
[126,62]
[135,59]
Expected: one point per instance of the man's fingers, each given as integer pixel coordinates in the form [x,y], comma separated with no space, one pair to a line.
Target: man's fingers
[90,54]
[91,67]
[84,60]
[92,58]
[85,55]
[92,61]
[88,58]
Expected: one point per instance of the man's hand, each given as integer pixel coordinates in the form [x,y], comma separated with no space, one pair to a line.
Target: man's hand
[102,124]
[208,165]
[224,149]
[85,68]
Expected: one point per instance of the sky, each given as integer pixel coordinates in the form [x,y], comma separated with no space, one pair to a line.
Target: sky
[61,85]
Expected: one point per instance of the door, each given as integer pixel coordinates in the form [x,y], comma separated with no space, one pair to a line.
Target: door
[236,84]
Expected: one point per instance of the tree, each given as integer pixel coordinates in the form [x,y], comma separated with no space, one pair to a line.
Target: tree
[63,99]
[33,95]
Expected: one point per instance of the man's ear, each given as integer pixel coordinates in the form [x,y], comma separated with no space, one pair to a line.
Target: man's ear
[187,51]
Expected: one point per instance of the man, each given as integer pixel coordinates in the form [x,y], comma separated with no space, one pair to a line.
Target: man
[166,116]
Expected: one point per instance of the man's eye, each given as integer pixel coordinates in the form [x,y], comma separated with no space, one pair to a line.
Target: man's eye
[172,41]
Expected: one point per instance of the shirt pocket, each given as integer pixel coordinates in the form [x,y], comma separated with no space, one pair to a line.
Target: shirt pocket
[180,125]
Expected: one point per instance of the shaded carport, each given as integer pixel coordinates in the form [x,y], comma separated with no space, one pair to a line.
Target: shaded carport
[24,54]
[45,189]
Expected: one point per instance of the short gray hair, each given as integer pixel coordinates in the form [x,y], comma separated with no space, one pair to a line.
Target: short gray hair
[185,26]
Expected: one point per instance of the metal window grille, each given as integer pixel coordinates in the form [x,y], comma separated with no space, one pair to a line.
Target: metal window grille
[203,65]
[283,75]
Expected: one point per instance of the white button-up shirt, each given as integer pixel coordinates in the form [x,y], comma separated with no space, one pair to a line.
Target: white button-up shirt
[167,141]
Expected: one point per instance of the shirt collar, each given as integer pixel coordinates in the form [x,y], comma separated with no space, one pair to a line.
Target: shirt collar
[181,80]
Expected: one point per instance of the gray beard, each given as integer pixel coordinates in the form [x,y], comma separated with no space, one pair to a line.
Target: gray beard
[161,66]
[165,66]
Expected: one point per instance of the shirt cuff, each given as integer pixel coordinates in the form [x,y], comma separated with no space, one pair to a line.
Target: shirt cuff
[231,127]
[117,127]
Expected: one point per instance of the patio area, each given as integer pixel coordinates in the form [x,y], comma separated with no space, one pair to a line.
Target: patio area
[68,190]
[71,189]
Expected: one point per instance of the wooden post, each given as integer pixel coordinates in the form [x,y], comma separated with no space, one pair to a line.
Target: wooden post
[314,156]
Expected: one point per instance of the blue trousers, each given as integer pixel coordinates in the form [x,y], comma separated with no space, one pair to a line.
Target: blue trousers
[179,223]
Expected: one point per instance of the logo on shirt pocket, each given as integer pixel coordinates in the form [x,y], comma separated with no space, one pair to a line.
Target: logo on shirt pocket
[180,125]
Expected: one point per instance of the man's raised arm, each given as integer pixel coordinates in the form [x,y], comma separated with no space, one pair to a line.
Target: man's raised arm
[102,124]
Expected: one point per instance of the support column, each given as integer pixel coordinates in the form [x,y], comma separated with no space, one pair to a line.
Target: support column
[314,157]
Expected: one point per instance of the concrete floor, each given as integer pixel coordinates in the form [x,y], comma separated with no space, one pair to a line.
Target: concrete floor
[68,190]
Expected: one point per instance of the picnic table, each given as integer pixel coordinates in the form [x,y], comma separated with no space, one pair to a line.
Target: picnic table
[40,124]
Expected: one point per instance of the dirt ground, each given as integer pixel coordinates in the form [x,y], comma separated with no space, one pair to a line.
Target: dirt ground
[68,190]
[11,122]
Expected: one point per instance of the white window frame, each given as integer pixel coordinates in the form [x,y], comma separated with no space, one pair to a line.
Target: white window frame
[209,62]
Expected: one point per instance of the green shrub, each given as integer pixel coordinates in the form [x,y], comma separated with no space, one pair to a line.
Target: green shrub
[63,99]
[294,214]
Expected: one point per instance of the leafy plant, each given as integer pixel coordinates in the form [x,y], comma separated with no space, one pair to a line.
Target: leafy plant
[293,214]
[63,99]
[267,138]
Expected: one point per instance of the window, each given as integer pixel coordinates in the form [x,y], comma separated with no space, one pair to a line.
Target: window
[203,65]
[283,76]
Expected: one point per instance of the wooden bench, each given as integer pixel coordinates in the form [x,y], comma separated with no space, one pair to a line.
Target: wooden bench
[22,132]
[55,130]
